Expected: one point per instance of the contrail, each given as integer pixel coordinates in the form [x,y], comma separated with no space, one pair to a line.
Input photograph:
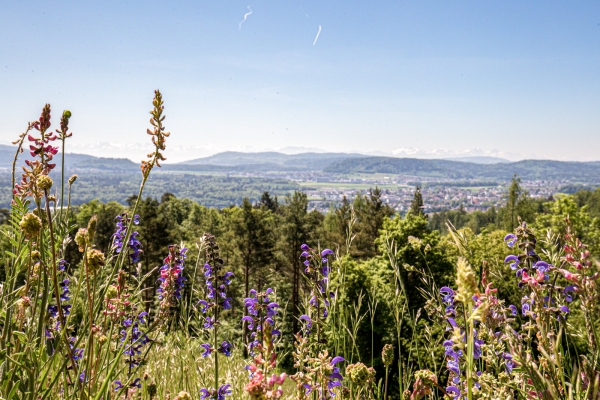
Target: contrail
[245,17]
[317,37]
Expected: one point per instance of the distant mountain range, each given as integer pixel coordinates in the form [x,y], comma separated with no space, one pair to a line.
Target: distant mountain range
[478,168]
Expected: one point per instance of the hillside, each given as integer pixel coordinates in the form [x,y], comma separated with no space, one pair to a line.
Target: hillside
[278,161]
[582,172]
[72,161]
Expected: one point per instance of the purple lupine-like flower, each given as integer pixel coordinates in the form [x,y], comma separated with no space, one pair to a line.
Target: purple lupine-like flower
[225,348]
[453,391]
[513,309]
[318,274]
[509,363]
[510,239]
[542,266]
[171,278]
[569,289]
[206,349]
[210,394]
[514,260]
[133,339]
[134,246]
[262,312]
[308,321]
[62,265]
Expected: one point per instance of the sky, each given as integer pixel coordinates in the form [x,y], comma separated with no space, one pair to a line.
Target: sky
[513,79]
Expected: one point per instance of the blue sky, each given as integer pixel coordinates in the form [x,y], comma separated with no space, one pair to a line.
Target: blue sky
[519,79]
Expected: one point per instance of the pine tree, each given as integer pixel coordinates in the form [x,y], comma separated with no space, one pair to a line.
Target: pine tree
[417,206]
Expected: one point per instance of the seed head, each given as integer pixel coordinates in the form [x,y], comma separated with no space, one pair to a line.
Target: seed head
[31,225]
[466,281]
[111,293]
[183,396]
[72,179]
[81,238]
[387,355]
[152,389]
[95,259]
[358,373]
[44,182]
[91,229]
[426,376]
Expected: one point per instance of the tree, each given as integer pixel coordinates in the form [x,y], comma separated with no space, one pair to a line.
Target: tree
[268,202]
[370,212]
[296,229]
[255,241]
[417,205]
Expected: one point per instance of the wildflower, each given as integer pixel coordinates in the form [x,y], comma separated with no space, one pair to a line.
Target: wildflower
[225,348]
[183,396]
[81,238]
[31,225]
[424,381]
[95,260]
[453,391]
[387,355]
[44,182]
[358,373]
[207,349]
[158,135]
[515,261]
[308,321]
[72,179]
[567,290]
[171,278]
[510,239]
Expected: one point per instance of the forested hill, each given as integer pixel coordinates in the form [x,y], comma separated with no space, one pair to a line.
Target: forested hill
[267,160]
[584,172]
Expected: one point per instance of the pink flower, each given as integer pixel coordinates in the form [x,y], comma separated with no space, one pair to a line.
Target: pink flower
[569,275]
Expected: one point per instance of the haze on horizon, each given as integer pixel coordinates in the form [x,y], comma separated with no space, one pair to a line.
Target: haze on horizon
[509,79]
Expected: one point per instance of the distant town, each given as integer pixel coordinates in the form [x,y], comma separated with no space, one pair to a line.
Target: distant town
[328,190]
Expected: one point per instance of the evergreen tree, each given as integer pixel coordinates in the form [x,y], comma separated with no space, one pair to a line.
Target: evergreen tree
[296,230]
[268,202]
[255,241]
[417,205]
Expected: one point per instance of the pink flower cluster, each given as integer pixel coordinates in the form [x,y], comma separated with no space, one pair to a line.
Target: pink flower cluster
[261,387]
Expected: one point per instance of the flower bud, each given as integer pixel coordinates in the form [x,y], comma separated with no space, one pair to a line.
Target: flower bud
[95,260]
[81,238]
[44,182]
[387,355]
[358,373]
[91,229]
[111,293]
[72,179]
[31,225]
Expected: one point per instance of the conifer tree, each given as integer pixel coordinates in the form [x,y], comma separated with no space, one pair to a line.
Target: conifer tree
[417,205]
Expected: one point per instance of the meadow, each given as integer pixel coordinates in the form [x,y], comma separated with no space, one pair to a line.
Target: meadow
[167,299]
